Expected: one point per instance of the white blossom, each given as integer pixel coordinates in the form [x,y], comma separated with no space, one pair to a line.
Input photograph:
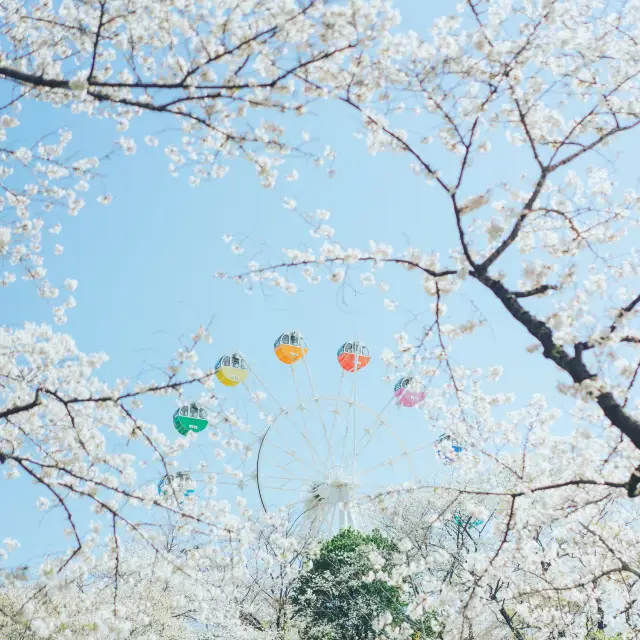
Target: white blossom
[390,305]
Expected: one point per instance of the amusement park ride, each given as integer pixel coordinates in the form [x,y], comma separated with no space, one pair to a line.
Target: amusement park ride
[319,458]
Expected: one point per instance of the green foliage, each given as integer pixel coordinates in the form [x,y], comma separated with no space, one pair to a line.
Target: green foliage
[331,598]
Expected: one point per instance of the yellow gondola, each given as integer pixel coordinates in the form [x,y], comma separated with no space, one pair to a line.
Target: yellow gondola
[290,347]
[232,369]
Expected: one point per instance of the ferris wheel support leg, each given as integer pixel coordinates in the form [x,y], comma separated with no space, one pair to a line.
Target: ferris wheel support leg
[343,518]
[351,521]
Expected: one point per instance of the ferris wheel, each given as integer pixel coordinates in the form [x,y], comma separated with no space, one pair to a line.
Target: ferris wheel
[320,457]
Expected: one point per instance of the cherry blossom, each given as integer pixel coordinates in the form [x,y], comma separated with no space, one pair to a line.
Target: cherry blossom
[551,239]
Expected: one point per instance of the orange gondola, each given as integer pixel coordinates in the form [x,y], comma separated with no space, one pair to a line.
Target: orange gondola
[290,347]
[353,356]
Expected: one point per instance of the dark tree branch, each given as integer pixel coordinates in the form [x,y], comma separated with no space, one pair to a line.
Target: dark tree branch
[535,292]
[96,42]
[585,346]
[513,234]
[24,407]
[410,264]
[509,620]
[630,385]
[126,396]
[593,145]
[574,366]
[53,83]
[63,504]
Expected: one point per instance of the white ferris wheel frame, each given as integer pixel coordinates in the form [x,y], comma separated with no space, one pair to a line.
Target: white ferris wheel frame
[347,500]
[346,516]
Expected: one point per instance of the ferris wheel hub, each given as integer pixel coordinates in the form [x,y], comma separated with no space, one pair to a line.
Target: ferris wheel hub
[336,488]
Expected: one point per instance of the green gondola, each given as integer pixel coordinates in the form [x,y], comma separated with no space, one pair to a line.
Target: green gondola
[191,417]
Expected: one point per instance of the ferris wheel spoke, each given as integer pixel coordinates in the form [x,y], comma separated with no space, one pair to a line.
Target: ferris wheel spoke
[328,440]
[367,431]
[284,411]
[316,402]
[346,424]
[345,437]
[355,414]
[314,453]
[333,515]
[351,424]
[363,492]
[394,435]
[289,506]
[333,437]
[292,474]
[290,453]
[268,391]
[391,461]
[285,470]
[288,478]
[336,411]
[295,503]
[292,490]
[305,437]
[274,426]
[302,409]
[372,490]
[369,436]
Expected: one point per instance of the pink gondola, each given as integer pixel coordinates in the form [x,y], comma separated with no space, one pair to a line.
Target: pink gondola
[409,394]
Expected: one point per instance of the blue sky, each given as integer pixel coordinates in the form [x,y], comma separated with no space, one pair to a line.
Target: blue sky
[145,268]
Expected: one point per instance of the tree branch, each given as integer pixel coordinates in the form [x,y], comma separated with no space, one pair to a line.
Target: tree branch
[574,366]
[96,42]
[402,261]
[23,407]
[535,292]
[585,346]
